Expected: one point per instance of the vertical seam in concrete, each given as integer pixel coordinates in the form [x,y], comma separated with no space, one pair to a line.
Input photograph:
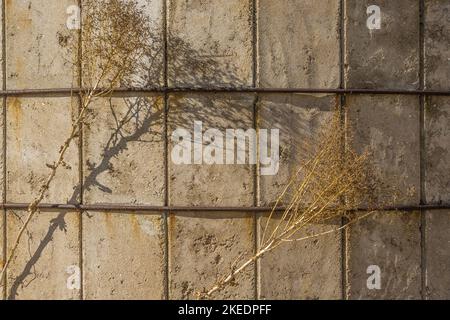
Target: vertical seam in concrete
[422,146]
[165,42]
[341,43]
[80,157]
[254,5]
[4,217]
[80,83]
[166,156]
[166,198]
[255,203]
[344,140]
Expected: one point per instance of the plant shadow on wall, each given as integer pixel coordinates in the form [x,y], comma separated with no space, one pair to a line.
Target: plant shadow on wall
[113,58]
[116,41]
[143,115]
[331,183]
[120,49]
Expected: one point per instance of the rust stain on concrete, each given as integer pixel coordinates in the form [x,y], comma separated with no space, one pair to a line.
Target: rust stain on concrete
[16,120]
[109,224]
[171,227]
[136,228]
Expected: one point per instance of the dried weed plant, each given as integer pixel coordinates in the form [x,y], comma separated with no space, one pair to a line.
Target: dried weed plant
[331,182]
[114,39]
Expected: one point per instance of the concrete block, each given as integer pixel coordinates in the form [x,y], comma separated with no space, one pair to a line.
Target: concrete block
[2,54]
[309,269]
[210,43]
[2,146]
[37,44]
[437,248]
[46,265]
[298,117]
[210,184]
[391,242]
[298,43]
[124,151]
[437,146]
[36,129]
[437,44]
[2,252]
[387,57]
[123,256]
[203,247]
[389,127]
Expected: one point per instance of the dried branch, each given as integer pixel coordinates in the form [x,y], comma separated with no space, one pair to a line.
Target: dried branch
[114,37]
[332,181]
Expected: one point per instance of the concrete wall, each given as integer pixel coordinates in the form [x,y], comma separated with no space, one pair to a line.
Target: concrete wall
[244,43]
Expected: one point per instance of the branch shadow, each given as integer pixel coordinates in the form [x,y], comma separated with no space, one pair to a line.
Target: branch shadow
[141,114]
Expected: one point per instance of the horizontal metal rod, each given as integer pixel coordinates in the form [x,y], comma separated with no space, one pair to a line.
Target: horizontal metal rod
[68,91]
[146,208]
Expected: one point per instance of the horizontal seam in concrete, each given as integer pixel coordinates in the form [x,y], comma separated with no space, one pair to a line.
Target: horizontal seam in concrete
[174,90]
[125,207]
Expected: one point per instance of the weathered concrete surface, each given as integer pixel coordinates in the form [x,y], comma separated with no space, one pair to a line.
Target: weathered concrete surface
[203,248]
[384,58]
[215,184]
[124,151]
[437,146]
[309,269]
[48,249]
[389,127]
[210,43]
[2,253]
[123,256]
[2,54]
[37,43]
[2,146]
[298,43]
[36,128]
[437,248]
[437,44]
[391,241]
[298,117]
[2,212]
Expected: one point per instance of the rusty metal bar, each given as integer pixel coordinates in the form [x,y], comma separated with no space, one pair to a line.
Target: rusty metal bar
[68,91]
[147,208]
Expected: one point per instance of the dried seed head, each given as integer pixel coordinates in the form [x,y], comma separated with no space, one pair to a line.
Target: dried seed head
[116,36]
